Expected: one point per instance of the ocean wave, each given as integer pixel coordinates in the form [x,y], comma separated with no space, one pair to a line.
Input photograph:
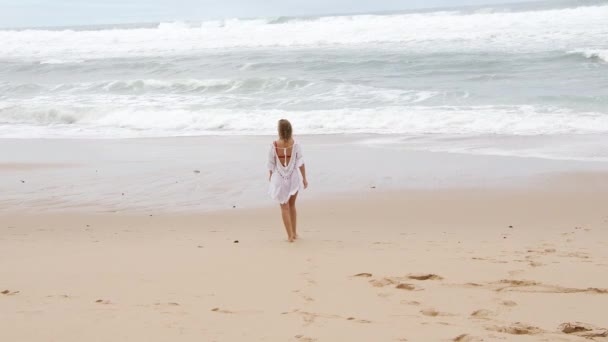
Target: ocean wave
[61,61]
[7,88]
[282,91]
[163,86]
[176,86]
[538,30]
[141,121]
[594,54]
[287,19]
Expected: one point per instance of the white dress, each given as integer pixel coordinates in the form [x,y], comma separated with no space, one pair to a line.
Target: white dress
[285,181]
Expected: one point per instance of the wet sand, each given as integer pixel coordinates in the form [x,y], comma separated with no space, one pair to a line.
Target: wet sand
[198,174]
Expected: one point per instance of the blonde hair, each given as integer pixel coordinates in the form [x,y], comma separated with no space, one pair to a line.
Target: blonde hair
[285,129]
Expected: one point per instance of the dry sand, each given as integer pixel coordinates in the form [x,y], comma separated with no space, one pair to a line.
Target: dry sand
[424,265]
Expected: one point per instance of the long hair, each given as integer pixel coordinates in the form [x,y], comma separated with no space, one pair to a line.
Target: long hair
[285,130]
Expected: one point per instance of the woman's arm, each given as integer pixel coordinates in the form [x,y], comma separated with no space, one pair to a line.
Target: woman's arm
[303,170]
[271,163]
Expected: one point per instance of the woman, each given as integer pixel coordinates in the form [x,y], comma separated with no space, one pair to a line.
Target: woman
[287,175]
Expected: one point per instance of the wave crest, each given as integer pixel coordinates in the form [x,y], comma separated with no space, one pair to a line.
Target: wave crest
[595,54]
[148,121]
[538,30]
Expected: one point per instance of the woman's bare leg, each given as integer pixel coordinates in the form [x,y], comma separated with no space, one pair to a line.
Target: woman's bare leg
[293,214]
[287,221]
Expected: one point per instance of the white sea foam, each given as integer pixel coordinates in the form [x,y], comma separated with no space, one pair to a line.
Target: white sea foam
[538,30]
[225,92]
[61,61]
[599,54]
[112,122]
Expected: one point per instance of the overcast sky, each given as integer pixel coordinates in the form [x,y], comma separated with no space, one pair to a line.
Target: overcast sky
[29,13]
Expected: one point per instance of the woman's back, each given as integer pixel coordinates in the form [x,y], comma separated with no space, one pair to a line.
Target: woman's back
[284,150]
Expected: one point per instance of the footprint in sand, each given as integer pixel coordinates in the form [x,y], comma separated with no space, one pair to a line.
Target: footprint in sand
[433,313]
[508,303]
[466,338]
[358,320]
[102,301]
[305,338]
[533,286]
[410,302]
[383,282]
[583,330]
[310,317]
[472,285]
[512,285]
[516,328]
[516,272]
[307,298]
[168,304]
[218,310]
[578,255]
[426,276]
[398,281]
[482,313]
[60,296]
[364,275]
[9,292]
[542,251]
[404,286]
[515,283]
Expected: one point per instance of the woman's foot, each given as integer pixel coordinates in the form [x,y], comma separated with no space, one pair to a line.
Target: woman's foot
[290,239]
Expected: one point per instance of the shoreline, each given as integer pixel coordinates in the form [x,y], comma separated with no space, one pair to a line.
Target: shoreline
[190,174]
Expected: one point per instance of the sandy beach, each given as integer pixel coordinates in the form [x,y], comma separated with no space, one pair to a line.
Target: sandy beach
[455,152]
[520,257]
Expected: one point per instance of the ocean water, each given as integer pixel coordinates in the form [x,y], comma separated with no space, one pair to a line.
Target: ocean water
[476,79]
